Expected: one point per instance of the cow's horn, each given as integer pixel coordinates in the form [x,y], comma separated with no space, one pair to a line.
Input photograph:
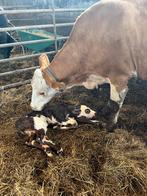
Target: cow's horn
[43,61]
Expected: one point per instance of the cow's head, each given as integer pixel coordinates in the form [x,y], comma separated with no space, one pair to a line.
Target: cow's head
[44,86]
[41,92]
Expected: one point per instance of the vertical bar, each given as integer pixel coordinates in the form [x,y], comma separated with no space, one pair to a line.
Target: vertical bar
[54,23]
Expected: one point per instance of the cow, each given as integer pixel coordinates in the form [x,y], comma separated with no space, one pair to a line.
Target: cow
[108,43]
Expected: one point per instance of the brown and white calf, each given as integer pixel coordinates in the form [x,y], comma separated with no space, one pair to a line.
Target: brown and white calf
[108,43]
[34,126]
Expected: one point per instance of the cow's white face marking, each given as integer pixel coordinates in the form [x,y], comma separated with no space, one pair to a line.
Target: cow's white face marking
[40,122]
[41,92]
[86,112]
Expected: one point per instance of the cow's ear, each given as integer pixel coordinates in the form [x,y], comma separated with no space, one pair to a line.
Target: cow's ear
[43,61]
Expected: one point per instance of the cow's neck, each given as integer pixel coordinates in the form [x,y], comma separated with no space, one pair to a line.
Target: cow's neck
[66,64]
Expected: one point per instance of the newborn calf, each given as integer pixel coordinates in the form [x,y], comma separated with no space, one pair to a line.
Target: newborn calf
[34,126]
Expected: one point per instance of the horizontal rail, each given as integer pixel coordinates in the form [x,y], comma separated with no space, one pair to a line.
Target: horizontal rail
[30,11]
[34,26]
[31,42]
[18,71]
[17,84]
[15,6]
[24,57]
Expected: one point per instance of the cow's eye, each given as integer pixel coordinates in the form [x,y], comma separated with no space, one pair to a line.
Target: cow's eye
[87,111]
[42,93]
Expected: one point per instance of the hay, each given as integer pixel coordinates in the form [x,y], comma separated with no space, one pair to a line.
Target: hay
[95,162]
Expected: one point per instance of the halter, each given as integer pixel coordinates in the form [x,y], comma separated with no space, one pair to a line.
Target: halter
[51,73]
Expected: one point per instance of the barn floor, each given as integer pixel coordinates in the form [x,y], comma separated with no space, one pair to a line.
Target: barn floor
[95,162]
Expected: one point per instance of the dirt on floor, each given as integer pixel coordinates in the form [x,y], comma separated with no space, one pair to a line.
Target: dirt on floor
[95,161]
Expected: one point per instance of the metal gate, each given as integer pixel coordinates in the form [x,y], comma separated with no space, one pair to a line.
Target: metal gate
[54,25]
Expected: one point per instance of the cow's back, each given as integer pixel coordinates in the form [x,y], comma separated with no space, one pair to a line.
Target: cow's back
[108,40]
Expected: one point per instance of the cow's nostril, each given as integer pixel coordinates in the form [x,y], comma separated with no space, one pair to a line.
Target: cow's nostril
[35,108]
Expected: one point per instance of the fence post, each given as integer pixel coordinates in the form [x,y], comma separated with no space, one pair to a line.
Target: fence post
[54,23]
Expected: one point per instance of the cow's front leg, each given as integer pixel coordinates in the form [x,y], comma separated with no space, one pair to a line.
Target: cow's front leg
[114,108]
[122,95]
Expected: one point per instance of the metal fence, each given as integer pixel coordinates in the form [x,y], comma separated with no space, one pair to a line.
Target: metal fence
[54,25]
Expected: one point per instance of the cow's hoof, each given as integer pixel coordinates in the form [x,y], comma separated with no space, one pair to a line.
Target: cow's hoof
[110,127]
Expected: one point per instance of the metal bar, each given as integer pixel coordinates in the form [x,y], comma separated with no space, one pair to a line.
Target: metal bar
[18,71]
[30,11]
[34,26]
[24,57]
[17,84]
[31,42]
[54,23]
[16,6]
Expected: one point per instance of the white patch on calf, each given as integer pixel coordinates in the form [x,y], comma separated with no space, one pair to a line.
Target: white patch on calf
[60,151]
[52,120]
[48,141]
[40,123]
[86,112]
[71,122]
[49,154]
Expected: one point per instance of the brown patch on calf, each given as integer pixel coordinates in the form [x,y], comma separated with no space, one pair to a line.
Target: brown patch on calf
[38,139]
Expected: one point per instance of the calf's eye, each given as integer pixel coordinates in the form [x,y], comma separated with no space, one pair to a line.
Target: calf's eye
[87,111]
